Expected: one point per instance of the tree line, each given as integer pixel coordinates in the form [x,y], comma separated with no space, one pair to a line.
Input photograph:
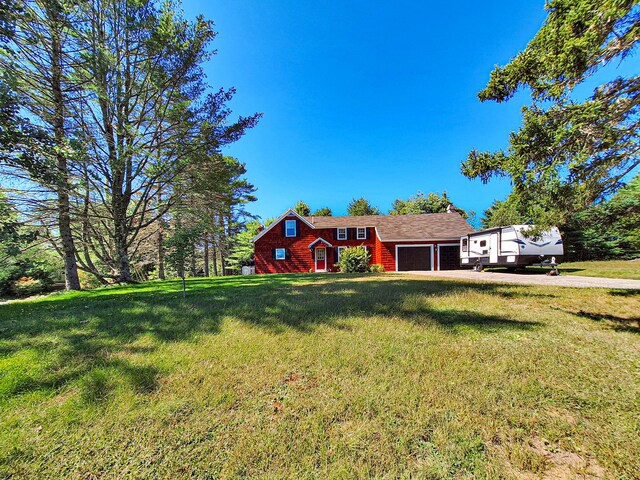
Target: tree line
[415,204]
[111,137]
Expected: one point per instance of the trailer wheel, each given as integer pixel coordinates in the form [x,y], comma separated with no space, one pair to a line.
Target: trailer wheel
[478,267]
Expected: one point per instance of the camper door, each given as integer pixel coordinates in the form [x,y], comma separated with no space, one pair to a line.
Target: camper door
[493,248]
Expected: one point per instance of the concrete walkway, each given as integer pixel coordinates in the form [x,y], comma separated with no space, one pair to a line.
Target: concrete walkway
[531,278]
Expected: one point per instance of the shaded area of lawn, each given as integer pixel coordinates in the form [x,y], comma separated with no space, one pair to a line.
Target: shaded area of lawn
[318,376]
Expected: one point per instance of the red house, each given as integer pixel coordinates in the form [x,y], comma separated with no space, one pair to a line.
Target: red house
[295,244]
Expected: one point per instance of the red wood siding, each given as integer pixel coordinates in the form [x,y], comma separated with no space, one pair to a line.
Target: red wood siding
[386,253]
[392,247]
[300,257]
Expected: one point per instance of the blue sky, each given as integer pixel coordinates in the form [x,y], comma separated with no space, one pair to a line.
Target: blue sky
[373,99]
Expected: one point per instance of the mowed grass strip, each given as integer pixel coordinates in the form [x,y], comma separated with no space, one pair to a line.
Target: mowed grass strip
[321,376]
[600,268]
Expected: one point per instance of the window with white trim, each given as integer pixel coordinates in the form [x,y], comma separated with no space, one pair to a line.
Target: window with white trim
[290,228]
[342,233]
[281,253]
[339,251]
[361,233]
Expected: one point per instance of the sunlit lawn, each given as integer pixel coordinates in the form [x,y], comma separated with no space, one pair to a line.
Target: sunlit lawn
[321,376]
[604,268]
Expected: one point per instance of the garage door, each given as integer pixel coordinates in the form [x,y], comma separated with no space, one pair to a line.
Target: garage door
[449,257]
[414,258]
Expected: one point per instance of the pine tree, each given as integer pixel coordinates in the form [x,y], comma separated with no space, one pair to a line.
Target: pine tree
[568,153]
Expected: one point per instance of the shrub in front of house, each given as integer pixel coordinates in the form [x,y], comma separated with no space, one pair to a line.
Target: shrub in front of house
[376,268]
[354,260]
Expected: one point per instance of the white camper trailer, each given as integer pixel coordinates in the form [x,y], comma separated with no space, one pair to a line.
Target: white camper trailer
[510,247]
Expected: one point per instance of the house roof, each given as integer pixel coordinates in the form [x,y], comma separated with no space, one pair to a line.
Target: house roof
[391,228]
[428,226]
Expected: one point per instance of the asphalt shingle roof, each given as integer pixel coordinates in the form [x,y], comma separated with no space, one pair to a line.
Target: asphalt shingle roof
[428,226]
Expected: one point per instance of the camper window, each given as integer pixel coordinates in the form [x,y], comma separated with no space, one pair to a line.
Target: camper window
[464,244]
[483,243]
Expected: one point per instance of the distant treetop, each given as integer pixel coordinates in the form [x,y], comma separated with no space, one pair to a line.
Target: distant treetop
[302,208]
[323,212]
[361,207]
[419,203]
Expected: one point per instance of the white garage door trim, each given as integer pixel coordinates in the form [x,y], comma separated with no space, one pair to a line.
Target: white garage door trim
[446,245]
[430,245]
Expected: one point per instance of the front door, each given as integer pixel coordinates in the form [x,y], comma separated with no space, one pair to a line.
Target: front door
[321,259]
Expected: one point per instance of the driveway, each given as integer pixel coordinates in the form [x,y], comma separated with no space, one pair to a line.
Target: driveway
[531,278]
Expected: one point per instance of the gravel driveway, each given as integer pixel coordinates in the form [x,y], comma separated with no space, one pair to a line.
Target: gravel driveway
[530,278]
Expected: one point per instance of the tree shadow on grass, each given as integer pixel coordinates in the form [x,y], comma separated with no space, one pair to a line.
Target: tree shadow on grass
[620,324]
[91,338]
[624,293]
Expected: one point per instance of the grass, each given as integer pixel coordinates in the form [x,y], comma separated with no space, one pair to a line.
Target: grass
[603,268]
[321,376]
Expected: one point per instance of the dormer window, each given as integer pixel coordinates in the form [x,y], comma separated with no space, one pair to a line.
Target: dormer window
[290,228]
[361,233]
[342,233]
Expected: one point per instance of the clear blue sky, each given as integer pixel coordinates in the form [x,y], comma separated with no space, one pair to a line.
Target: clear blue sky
[373,99]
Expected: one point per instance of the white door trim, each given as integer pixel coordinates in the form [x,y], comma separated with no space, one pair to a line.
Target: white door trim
[315,257]
[447,245]
[415,245]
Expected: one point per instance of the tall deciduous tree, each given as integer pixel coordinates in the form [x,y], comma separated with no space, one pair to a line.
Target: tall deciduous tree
[569,153]
[361,206]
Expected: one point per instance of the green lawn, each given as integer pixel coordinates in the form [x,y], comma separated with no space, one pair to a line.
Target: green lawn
[603,268]
[321,376]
